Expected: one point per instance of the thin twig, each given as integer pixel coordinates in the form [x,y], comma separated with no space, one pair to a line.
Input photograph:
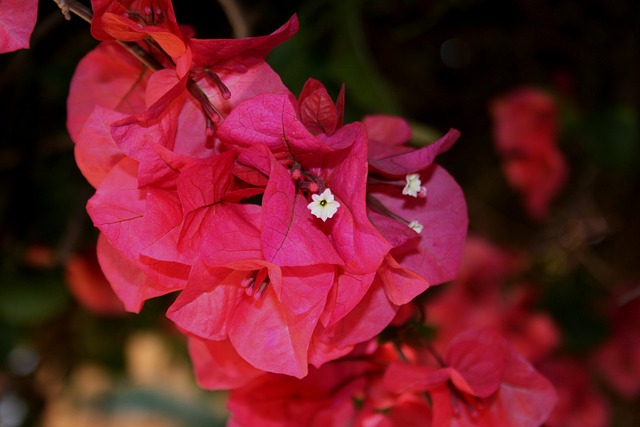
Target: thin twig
[236,18]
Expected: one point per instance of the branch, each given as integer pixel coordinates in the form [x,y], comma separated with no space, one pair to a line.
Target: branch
[236,18]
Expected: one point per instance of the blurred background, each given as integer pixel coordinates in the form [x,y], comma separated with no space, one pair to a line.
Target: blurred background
[70,356]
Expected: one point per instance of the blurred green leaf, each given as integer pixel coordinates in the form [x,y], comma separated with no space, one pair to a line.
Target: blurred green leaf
[331,47]
[30,299]
[188,414]
[575,304]
[612,138]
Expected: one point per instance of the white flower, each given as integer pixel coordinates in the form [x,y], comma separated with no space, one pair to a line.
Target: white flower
[416,226]
[324,205]
[413,186]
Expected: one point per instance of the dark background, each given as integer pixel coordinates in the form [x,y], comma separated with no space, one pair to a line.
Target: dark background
[437,63]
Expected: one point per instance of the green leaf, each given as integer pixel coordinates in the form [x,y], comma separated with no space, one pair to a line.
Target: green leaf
[192,414]
[30,300]
[612,139]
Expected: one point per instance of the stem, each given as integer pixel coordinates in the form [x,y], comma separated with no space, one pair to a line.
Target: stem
[401,355]
[236,18]
[76,8]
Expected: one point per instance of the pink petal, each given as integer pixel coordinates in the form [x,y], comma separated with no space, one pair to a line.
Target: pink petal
[478,359]
[218,366]
[95,151]
[317,110]
[17,20]
[347,292]
[117,208]
[358,242]
[401,377]
[400,285]
[108,77]
[367,319]
[304,288]
[206,306]
[223,233]
[131,286]
[436,252]
[236,54]
[270,119]
[402,160]
[205,182]
[270,337]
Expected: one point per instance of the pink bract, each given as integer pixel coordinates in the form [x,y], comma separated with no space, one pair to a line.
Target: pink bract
[17,20]
[525,132]
[483,383]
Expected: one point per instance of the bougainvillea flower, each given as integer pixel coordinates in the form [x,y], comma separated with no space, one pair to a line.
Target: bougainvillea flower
[335,162]
[414,203]
[17,20]
[161,111]
[525,133]
[267,313]
[484,295]
[346,392]
[481,381]
[299,165]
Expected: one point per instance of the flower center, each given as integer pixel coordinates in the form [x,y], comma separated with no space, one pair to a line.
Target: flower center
[149,16]
[256,283]
[411,186]
[324,205]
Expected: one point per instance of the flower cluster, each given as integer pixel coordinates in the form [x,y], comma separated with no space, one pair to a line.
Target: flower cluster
[290,235]
[290,238]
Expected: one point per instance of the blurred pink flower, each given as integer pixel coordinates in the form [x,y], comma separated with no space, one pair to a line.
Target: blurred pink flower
[526,133]
[579,402]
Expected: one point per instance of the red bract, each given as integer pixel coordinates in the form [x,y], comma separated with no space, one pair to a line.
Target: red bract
[109,77]
[348,392]
[618,359]
[579,402]
[479,297]
[132,219]
[481,382]
[316,109]
[135,20]
[17,20]
[525,132]
[268,314]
